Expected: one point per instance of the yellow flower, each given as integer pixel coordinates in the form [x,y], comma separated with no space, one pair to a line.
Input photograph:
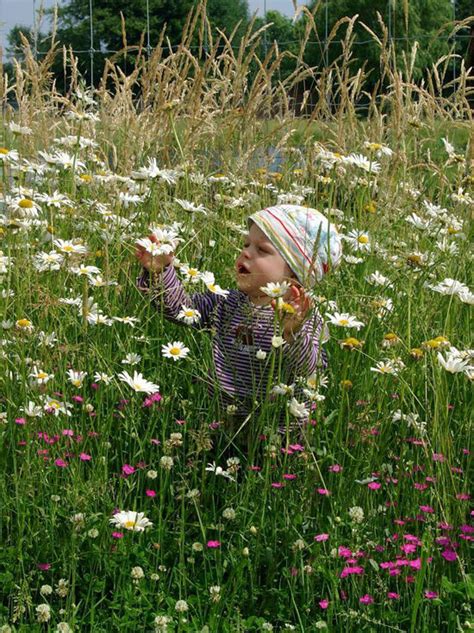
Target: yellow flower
[25,325]
[346,385]
[390,339]
[436,343]
[351,343]
[416,353]
[370,207]
[86,177]
[415,260]
[26,204]
[3,150]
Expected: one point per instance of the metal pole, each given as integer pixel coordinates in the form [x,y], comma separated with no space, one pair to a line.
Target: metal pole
[35,31]
[326,27]
[265,44]
[91,49]
[148,47]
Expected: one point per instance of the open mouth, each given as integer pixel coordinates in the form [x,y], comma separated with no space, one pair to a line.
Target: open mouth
[241,270]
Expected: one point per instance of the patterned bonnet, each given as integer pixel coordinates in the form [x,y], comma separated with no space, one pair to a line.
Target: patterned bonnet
[305,239]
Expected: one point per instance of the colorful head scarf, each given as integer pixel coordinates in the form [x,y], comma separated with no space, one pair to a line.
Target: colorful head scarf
[305,239]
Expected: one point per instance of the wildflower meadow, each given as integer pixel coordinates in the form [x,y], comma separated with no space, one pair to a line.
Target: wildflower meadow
[127,504]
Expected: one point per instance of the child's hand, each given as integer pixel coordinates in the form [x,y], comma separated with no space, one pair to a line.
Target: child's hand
[153,263]
[294,311]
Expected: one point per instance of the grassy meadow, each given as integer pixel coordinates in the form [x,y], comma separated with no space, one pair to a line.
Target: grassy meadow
[361,522]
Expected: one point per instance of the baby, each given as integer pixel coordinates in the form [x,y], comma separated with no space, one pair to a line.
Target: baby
[285,243]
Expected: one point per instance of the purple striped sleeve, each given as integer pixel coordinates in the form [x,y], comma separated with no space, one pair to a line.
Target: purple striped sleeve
[304,353]
[168,292]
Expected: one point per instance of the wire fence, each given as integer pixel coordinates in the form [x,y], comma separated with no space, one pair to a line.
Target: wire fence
[98,55]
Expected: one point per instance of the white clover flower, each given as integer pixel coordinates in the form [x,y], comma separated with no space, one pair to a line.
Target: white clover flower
[43,613]
[260,354]
[46,590]
[166,462]
[356,514]
[229,514]
[215,593]
[181,606]
[137,573]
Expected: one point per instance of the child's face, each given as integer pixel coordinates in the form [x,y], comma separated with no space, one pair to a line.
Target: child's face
[259,263]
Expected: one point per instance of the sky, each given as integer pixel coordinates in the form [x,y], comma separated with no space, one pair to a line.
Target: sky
[21,12]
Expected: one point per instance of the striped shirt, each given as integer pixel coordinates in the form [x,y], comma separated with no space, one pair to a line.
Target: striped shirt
[239,330]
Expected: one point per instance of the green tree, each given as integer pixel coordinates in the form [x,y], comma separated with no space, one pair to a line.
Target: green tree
[282,32]
[406,22]
[74,26]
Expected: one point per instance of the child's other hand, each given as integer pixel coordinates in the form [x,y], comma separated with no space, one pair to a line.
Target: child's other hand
[294,311]
[153,263]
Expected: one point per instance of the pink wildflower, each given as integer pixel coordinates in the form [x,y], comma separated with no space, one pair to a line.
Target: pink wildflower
[20,421]
[367,599]
[44,566]
[321,537]
[335,468]
[449,555]
[213,544]
[84,457]
[463,496]
[289,476]
[60,463]
[431,595]
[324,603]
[439,457]
[427,509]
[393,595]
[127,470]
[150,493]
[374,485]
[117,534]
[323,491]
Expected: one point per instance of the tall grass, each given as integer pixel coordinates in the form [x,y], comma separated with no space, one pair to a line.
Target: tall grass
[380,476]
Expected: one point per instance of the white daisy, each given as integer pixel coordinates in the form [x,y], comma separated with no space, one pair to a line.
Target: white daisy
[189,315]
[138,383]
[101,377]
[175,350]
[39,376]
[453,363]
[130,520]
[298,409]
[344,320]
[131,359]
[276,290]
[76,378]
[190,206]
[69,247]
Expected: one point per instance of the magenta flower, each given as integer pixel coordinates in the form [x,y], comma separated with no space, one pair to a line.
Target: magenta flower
[351,571]
[323,491]
[374,485]
[127,470]
[20,421]
[431,595]
[60,463]
[213,544]
[289,476]
[324,603]
[277,484]
[335,468]
[463,496]
[367,599]
[84,457]
[439,457]
[393,595]
[449,555]
[427,509]
[44,566]
[321,537]
[117,534]
[150,493]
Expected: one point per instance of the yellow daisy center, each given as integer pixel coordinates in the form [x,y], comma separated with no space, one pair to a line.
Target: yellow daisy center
[26,204]
[67,248]
[363,239]
[343,322]
[23,323]
[129,525]
[3,150]
[175,351]
[41,375]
